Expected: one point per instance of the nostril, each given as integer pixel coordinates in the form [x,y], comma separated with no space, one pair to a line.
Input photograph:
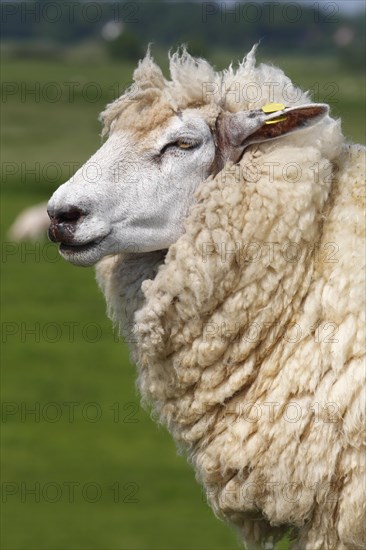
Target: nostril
[71,215]
[64,223]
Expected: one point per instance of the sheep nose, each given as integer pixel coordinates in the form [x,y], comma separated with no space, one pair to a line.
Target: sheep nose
[63,224]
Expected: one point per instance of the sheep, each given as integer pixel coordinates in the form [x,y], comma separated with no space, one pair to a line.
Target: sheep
[231,256]
[31,224]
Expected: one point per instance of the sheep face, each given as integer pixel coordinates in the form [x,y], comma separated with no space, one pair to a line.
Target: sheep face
[134,193]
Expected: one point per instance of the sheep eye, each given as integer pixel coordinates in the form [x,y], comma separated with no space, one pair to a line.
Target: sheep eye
[180,144]
[185,144]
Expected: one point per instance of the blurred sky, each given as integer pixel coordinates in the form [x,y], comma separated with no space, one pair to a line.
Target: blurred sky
[349,7]
[346,6]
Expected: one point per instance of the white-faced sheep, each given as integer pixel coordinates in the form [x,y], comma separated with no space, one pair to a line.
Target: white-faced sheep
[237,260]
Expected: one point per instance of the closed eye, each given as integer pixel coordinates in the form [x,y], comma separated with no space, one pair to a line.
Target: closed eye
[183,144]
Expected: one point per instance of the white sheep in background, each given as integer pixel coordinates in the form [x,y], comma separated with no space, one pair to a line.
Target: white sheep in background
[238,259]
[31,224]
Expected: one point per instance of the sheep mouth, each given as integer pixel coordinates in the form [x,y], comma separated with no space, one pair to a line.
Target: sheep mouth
[82,247]
[84,254]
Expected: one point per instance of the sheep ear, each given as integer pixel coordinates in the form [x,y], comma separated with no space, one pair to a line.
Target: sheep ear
[272,121]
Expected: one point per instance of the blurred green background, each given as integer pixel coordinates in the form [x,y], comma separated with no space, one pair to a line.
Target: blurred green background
[88,469]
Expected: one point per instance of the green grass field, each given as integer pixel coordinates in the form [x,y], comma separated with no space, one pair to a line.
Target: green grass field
[88,469]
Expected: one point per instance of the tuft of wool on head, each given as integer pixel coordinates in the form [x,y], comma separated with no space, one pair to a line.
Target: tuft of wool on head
[194,83]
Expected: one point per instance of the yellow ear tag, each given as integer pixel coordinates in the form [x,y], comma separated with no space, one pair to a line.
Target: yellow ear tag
[272,108]
[275,120]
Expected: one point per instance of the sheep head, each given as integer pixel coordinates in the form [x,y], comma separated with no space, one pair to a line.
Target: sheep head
[163,139]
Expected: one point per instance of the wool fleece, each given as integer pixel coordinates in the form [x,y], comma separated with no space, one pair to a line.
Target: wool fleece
[248,336]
